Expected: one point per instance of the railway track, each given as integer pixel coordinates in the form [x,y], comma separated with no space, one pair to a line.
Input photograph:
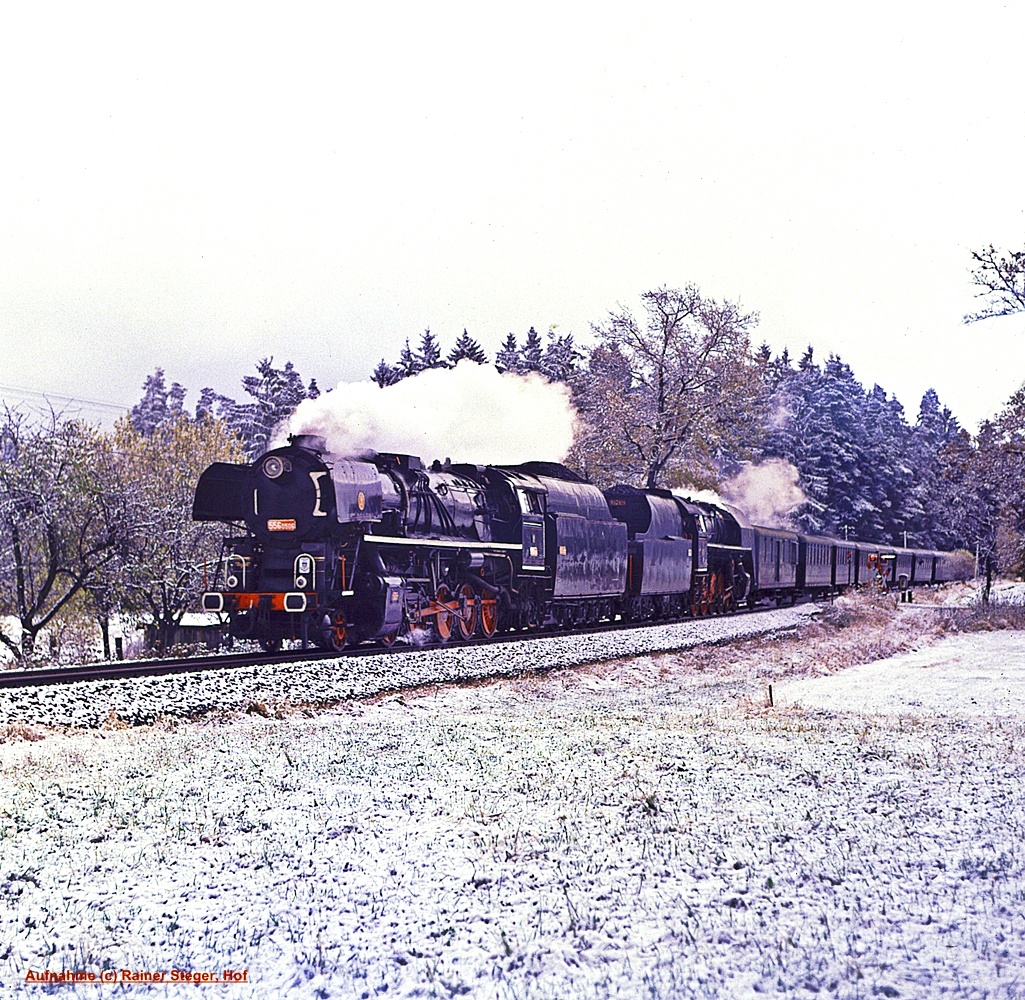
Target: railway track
[123,669]
[127,669]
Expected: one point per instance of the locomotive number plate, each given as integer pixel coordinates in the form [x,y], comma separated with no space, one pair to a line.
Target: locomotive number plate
[281,524]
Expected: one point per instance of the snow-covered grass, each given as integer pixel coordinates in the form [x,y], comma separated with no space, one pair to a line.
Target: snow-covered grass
[648,827]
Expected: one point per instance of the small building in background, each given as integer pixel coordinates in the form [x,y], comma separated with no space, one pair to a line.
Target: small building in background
[195,629]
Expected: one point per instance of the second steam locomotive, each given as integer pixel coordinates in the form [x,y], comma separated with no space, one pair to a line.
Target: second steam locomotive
[340,551]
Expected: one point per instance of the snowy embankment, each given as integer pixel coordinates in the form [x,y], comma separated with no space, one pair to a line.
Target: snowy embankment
[279,686]
[645,827]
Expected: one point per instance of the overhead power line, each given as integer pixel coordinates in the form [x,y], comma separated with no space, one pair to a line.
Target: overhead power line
[60,397]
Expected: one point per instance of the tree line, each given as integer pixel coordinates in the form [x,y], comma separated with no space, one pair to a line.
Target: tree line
[554,357]
[94,523]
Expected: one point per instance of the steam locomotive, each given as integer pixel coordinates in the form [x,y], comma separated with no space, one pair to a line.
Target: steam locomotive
[336,552]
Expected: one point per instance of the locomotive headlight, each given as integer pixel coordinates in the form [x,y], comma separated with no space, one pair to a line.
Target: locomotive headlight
[300,582]
[232,581]
[273,467]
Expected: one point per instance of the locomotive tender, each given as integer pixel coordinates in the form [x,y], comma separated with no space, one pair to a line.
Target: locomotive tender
[342,551]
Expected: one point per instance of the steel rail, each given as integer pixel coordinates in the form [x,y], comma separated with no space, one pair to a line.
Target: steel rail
[128,669]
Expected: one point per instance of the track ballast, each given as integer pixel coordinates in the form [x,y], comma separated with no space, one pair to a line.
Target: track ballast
[277,686]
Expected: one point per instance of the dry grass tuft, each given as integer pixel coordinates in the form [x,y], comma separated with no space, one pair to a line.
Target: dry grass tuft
[857,628]
[114,721]
[14,732]
[982,618]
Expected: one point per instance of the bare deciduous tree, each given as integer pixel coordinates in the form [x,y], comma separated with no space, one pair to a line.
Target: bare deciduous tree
[160,570]
[665,393]
[62,518]
[1001,276]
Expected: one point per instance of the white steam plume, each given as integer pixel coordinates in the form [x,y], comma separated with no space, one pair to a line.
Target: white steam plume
[768,493]
[469,413]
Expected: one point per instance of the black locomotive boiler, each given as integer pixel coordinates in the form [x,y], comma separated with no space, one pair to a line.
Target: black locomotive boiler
[340,551]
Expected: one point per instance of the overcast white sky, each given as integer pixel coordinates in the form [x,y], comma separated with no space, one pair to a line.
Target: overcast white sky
[199,186]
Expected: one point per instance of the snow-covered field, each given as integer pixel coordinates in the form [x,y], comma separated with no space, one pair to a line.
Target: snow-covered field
[649,827]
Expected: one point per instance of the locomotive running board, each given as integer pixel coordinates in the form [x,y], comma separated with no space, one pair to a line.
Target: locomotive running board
[443,543]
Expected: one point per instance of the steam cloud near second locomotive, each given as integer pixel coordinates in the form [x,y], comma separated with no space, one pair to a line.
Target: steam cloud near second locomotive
[767,492]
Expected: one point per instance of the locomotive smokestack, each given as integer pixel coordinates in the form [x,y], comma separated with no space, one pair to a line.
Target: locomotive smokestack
[310,442]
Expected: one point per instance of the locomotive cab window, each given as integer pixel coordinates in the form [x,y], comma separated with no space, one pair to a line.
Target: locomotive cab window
[530,502]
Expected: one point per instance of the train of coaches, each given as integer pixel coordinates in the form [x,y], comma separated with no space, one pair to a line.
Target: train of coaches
[341,551]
